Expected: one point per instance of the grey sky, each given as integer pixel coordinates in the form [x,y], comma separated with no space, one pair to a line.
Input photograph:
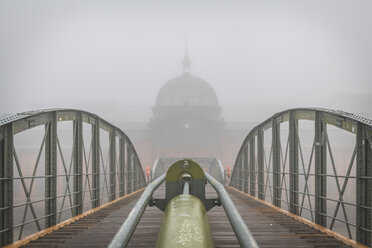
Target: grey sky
[285,53]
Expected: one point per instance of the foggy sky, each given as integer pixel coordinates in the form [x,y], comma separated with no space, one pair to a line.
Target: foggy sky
[283,54]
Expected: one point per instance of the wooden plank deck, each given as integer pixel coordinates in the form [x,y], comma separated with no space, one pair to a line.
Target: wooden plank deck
[270,227]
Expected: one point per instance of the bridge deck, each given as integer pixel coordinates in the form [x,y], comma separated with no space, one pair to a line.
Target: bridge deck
[269,227]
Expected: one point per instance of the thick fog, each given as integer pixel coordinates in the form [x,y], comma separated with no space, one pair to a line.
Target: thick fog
[263,55]
[112,58]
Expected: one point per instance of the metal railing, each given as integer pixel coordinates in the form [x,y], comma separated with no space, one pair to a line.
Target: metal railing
[123,235]
[56,188]
[314,188]
[240,228]
[243,234]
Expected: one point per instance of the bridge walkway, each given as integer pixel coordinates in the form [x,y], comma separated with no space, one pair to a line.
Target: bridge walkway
[270,227]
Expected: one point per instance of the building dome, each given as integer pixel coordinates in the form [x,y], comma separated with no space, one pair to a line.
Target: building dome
[186,116]
[186,90]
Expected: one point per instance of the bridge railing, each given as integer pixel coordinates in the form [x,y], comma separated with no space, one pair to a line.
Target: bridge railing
[63,181]
[312,183]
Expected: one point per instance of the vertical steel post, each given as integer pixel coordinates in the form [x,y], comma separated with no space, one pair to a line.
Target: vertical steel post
[293,163]
[237,169]
[121,167]
[129,169]
[232,175]
[240,172]
[139,173]
[235,177]
[364,186]
[132,169]
[260,164]
[95,164]
[112,166]
[6,190]
[78,165]
[245,169]
[320,171]
[135,171]
[144,182]
[276,162]
[252,165]
[51,171]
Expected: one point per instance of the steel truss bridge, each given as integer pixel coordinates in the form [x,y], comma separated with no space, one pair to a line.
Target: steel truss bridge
[77,190]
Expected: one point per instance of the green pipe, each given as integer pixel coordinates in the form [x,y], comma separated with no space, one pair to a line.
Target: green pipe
[185,224]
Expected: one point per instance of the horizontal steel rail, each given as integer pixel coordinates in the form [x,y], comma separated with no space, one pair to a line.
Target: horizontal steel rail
[241,229]
[280,174]
[126,230]
[84,182]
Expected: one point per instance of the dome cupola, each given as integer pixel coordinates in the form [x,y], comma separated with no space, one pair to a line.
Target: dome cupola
[186,90]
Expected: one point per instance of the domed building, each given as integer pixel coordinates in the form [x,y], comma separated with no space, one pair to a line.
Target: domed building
[186,122]
[186,118]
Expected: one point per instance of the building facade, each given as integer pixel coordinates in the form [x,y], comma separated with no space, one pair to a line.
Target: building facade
[187,122]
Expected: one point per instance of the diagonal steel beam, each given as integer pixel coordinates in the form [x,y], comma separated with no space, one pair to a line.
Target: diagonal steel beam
[87,180]
[67,178]
[306,187]
[29,191]
[27,194]
[338,184]
[283,172]
[351,163]
[268,172]
[104,173]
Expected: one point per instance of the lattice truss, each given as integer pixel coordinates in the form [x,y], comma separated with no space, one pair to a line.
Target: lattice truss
[297,160]
[81,163]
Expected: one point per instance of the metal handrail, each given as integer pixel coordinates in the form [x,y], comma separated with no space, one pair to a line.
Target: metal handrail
[69,180]
[241,229]
[126,230]
[243,234]
[263,166]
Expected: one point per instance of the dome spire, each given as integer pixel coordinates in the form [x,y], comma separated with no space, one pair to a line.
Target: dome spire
[186,60]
